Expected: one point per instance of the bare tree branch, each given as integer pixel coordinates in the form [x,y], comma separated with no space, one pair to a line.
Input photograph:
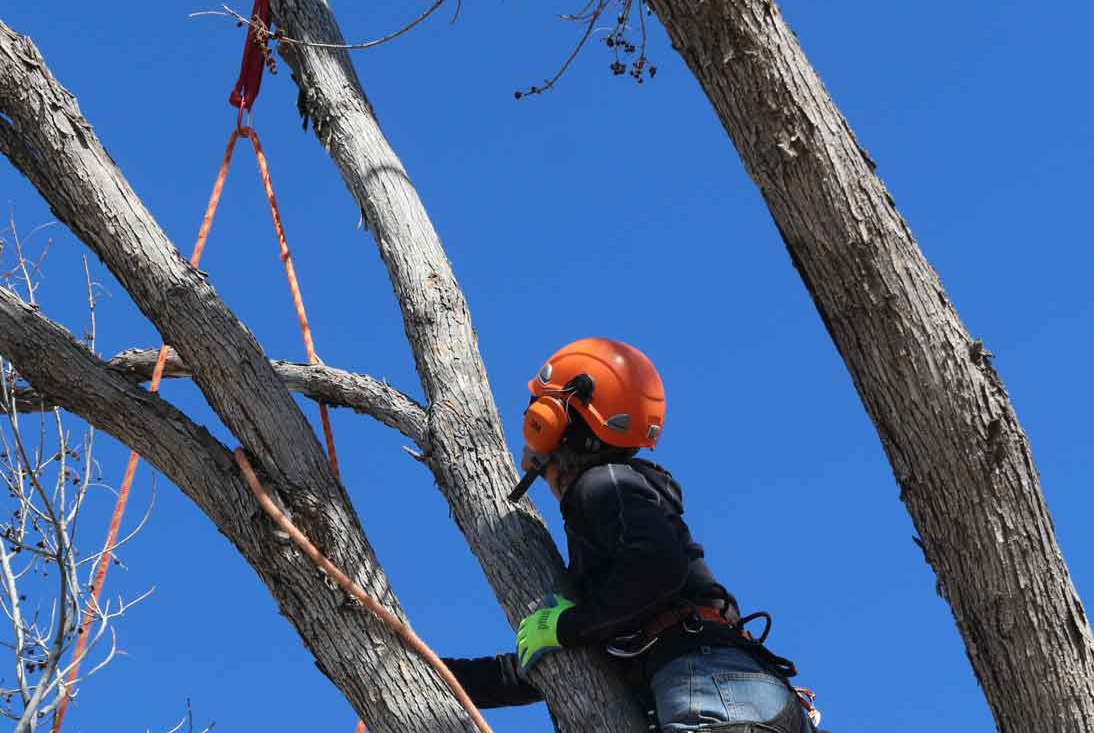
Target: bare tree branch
[42,525]
[76,175]
[43,132]
[465,446]
[263,34]
[204,469]
[318,382]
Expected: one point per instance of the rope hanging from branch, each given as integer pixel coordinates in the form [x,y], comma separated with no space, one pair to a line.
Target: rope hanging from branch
[351,588]
[243,96]
[130,471]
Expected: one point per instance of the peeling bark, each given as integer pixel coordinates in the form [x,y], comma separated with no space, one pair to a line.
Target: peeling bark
[963,463]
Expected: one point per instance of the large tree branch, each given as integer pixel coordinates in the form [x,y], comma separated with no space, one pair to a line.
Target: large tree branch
[47,138]
[466,447]
[944,418]
[321,383]
[194,460]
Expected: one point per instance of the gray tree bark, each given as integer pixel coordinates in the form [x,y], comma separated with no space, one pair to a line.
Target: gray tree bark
[963,463]
[465,447]
[44,134]
[334,387]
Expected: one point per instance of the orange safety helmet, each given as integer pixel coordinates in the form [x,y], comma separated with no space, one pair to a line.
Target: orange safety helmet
[612,385]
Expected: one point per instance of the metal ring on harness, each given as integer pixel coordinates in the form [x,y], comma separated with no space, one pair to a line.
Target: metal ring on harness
[695,620]
[627,653]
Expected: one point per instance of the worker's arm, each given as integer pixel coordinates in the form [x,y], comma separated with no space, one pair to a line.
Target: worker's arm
[493,682]
[624,520]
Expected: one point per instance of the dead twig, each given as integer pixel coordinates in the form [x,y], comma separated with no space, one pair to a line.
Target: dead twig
[47,487]
[617,39]
[264,34]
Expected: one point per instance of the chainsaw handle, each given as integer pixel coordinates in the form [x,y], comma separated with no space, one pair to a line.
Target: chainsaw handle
[525,483]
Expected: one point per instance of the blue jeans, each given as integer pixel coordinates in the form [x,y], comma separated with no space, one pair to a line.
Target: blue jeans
[716,686]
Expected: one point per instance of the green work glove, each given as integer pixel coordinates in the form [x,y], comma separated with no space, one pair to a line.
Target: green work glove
[536,634]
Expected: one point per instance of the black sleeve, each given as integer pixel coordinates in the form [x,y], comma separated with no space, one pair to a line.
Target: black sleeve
[493,682]
[620,514]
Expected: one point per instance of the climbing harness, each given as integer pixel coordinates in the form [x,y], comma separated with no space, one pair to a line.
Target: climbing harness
[693,618]
[690,618]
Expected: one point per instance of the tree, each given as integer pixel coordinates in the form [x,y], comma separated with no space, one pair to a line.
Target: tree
[942,413]
[330,116]
[460,441]
[928,386]
[48,478]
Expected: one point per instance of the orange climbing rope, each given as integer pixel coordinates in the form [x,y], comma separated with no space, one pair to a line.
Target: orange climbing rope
[243,97]
[157,375]
[354,590]
[130,471]
[294,288]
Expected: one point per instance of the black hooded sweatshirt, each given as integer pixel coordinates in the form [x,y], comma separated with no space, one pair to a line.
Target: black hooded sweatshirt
[631,557]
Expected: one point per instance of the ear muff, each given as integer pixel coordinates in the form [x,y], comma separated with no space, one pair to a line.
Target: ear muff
[545,421]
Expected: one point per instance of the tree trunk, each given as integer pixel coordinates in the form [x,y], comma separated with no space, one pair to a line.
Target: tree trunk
[944,418]
[465,447]
[46,137]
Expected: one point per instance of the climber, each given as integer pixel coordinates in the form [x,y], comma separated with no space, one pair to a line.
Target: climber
[638,585]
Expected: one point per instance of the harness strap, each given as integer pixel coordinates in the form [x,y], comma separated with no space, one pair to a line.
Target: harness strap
[250,72]
[659,624]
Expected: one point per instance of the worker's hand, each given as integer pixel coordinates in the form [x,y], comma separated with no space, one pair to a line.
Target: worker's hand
[536,634]
[530,460]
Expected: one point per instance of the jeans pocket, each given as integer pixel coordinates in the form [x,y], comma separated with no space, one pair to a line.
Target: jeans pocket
[751,697]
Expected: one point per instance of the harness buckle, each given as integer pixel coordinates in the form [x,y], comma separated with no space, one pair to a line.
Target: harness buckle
[693,624]
[626,647]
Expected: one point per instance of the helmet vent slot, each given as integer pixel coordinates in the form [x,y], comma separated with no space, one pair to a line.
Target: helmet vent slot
[618,422]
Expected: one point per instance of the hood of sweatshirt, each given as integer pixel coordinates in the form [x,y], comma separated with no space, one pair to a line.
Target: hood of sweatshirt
[662,481]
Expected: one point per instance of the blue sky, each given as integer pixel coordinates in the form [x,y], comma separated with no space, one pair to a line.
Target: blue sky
[978,118]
